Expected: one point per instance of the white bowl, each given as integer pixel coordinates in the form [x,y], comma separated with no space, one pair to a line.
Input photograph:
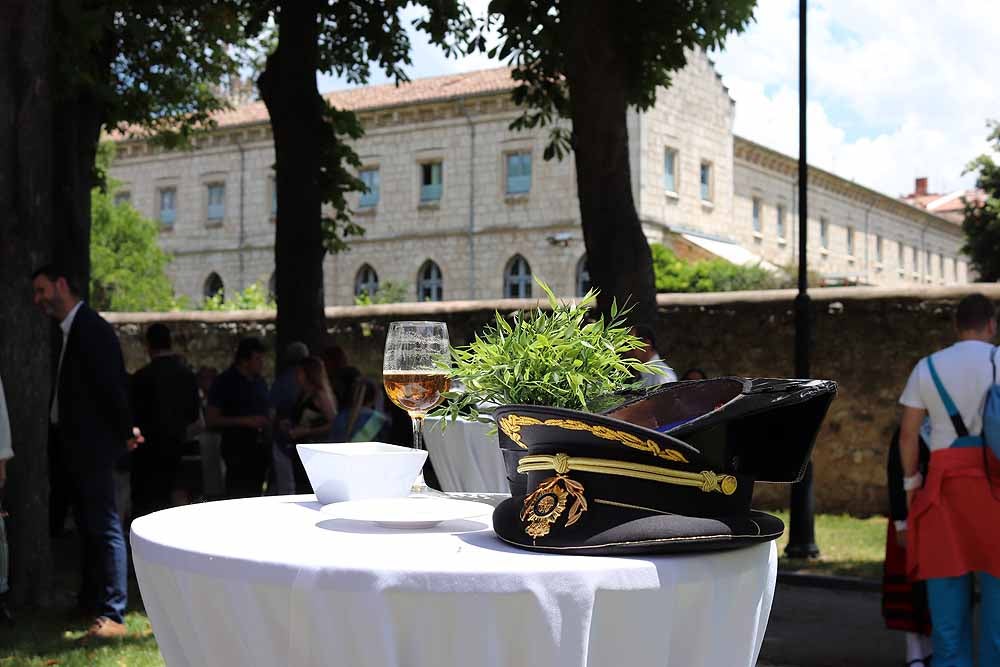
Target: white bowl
[357,470]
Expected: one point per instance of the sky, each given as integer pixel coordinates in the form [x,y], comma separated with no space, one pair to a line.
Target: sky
[898,89]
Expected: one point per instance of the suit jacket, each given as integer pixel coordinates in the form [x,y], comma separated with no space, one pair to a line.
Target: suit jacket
[94,419]
[164,402]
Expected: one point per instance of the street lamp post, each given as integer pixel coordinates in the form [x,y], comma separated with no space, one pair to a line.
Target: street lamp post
[801,534]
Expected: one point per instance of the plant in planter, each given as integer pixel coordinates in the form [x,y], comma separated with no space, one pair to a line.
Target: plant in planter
[550,357]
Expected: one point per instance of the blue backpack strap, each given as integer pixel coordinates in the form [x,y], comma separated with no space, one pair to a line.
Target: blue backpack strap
[949,405]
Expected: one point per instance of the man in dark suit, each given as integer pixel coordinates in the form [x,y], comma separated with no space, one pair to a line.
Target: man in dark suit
[164,404]
[91,428]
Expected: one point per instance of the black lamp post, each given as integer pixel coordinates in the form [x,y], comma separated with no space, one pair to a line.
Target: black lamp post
[801,534]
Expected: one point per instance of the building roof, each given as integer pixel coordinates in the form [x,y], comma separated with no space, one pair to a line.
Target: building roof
[383,96]
[774,159]
[948,205]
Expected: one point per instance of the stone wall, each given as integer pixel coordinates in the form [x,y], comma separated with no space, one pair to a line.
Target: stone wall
[867,339]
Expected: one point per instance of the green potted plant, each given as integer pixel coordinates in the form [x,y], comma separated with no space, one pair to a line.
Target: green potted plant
[556,357]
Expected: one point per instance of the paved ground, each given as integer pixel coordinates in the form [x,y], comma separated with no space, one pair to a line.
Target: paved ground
[819,627]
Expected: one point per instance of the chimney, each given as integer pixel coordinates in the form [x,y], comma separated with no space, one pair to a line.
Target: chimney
[920,187]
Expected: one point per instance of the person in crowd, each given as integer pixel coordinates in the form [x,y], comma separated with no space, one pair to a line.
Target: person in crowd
[237,406]
[361,421]
[648,355]
[341,374]
[284,397]
[209,441]
[694,374]
[904,602]
[6,454]
[165,404]
[952,514]
[91,424]
[312,417]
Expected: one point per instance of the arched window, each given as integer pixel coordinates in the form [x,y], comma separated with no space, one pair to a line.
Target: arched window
[583,284]
[213,285]
[430,286]
[366,281]
[517,278]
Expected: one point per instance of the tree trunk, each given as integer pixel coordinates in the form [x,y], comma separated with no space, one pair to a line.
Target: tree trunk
[618,256]
[77,129]
[26,240]
[288,87]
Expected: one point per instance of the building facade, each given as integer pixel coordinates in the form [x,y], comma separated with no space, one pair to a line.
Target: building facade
[461,207]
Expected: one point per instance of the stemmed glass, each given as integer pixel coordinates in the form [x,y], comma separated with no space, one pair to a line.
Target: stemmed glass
[411,370]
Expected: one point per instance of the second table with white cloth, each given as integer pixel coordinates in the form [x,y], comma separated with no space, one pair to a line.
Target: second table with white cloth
[282,581]
[464,457]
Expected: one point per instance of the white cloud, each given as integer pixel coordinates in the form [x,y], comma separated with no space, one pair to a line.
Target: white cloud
[898,88]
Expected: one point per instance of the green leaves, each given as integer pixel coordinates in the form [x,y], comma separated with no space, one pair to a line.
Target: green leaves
[982,223]
[713,275]
[254,297]
[128,269]
[387,292]
[543,357]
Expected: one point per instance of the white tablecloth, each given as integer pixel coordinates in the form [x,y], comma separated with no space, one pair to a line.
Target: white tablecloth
[274,581]
[464,457]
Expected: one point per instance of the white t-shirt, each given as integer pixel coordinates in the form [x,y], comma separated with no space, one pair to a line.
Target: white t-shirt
[655,379]
[965,370]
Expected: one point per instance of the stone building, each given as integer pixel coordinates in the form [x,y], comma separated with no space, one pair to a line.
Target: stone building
[462,207]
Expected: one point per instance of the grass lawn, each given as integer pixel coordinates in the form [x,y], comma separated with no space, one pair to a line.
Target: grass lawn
[44,639]
[848,547]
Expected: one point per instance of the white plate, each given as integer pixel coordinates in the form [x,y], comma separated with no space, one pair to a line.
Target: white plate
[411,512]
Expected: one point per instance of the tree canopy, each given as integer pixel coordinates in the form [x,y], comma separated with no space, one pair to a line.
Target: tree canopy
[982,223]
[650,39]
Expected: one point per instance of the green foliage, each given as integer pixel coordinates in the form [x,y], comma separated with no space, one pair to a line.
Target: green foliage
[982,223]
[151,66]
[713,275]
[387,292]
[128,269]
[254,297]
[553,357]
[537,39]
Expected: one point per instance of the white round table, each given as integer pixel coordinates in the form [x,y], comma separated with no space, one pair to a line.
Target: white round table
[275,581]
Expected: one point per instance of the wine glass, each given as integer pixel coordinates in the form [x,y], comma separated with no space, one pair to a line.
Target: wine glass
[411,371]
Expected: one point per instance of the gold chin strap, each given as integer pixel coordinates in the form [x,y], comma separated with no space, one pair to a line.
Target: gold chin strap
[705,480]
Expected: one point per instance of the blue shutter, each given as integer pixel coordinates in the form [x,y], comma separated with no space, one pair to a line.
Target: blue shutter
[370,177]
[216,202]
[669,171]
[168,208]
[518,173]
[430,188]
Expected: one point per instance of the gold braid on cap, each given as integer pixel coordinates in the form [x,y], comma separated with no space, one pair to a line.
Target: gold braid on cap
[512,424]
[705,480]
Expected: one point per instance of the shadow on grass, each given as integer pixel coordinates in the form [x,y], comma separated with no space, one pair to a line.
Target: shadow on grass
[863,569]
[51,637]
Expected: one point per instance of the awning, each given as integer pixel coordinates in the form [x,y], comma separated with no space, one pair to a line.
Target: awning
[730,251]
